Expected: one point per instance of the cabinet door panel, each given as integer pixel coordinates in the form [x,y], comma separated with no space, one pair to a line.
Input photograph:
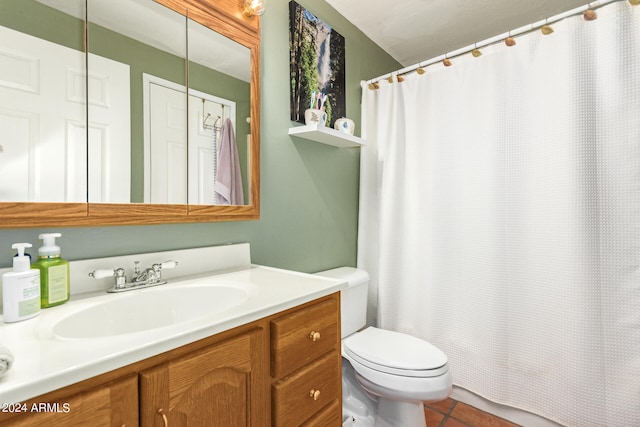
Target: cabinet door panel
[114,404]
[219,398]
[216,386]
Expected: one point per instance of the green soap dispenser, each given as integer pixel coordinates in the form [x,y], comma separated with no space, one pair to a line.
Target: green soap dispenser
[54,272]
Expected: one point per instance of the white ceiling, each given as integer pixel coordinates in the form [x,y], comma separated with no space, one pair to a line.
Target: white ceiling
[413,31]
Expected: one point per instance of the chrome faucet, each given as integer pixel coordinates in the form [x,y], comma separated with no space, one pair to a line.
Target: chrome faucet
[148,277]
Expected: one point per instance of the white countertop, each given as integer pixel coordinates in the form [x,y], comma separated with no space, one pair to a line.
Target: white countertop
[44,362]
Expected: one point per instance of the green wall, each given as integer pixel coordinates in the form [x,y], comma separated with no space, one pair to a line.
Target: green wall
[33,18]
[309,191]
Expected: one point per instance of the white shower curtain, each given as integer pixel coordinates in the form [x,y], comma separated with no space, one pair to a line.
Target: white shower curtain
[500,217]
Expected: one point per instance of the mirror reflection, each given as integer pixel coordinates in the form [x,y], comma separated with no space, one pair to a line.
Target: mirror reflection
[42,102]
[127,58]
[146,143]
[219,115]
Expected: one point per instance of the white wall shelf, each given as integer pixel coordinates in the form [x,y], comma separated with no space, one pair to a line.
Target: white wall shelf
[326,135]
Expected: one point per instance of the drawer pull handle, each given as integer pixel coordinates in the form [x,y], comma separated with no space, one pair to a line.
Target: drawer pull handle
[164,417]
[315,394]
[314,336]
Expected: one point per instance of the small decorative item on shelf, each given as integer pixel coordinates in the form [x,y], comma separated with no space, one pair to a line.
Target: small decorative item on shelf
[314,116]
[345,125]
[316,113]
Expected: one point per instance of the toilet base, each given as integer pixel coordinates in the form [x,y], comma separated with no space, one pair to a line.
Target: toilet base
[392,413]
[363,409]
[358,408]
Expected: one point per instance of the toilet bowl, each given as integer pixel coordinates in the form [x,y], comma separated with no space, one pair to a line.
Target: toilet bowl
[397,372]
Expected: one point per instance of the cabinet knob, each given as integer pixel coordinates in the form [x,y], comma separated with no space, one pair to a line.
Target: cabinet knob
[315,394]
[314,336]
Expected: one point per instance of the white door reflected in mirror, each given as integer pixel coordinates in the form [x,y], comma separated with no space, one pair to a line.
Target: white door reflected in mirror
[42,120]
[166,148]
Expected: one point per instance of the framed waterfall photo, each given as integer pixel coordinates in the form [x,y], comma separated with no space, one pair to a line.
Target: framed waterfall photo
[317,64]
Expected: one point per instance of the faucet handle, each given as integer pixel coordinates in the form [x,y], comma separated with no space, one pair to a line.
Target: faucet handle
[168,264]
[101,274]
[164,265]
[118,273]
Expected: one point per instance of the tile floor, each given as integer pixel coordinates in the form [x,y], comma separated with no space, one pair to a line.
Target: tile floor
[451,413]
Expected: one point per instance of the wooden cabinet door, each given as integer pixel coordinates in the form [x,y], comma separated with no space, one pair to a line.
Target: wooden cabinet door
[112,404]
[218,386]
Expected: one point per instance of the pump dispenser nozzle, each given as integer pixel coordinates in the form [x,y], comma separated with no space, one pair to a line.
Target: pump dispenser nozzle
[21,262]
[49,247]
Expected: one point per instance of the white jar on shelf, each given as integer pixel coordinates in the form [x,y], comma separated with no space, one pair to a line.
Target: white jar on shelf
[344,125]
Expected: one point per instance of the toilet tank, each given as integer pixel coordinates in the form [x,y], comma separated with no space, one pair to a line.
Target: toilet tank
[353,300]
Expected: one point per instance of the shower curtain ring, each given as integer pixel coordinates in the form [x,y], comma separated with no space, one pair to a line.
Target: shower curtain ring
[476,52]
[510,41]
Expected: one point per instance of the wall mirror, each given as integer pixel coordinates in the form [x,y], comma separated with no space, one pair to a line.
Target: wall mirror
[154,126]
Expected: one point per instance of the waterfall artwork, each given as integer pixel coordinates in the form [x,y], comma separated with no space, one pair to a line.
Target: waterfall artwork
[317,57]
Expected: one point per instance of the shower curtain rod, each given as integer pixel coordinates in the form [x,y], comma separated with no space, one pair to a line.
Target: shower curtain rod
[519,31]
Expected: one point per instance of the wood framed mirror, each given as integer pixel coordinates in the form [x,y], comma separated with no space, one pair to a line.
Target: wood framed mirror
[115,186]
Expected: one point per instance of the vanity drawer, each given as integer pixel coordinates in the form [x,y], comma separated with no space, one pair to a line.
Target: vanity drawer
[329,416]
[303,336]
[299,396]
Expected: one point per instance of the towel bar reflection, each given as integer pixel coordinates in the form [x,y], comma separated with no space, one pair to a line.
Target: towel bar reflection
[214,125]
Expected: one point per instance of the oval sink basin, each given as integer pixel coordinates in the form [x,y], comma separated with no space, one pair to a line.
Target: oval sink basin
[148,309]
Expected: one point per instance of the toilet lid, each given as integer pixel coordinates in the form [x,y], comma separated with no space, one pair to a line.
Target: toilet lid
[394,352]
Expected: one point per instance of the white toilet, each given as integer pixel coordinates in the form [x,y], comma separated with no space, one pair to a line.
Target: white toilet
[397,372]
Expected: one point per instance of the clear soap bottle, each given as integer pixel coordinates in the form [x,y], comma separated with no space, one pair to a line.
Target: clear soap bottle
[54,272]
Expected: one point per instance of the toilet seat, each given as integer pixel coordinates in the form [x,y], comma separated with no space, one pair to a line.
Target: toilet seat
[395,353]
